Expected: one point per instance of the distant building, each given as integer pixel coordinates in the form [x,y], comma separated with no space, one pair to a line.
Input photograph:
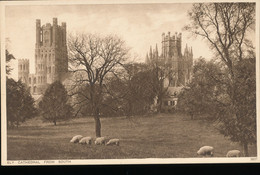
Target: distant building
[51,57]
[177,67]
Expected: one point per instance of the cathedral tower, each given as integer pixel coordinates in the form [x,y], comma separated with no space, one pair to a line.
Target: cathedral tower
[51,59]
[23,70]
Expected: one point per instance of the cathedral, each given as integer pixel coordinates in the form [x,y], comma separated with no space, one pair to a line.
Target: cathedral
[177,67]
[51,57]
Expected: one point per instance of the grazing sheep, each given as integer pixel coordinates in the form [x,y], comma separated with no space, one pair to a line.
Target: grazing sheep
[100,141]
[234,153]
[206,150]
[76,139]
[113,142]
[86,140]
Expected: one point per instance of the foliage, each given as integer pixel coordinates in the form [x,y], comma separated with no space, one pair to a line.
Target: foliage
[200,98]
[238,120]
[8,57]
[133,96]
[54,105]
[19,103]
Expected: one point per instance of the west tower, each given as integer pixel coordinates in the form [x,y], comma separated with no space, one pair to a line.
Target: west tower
[51,59]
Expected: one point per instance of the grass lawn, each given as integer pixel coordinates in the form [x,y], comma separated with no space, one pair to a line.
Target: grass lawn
[159,136]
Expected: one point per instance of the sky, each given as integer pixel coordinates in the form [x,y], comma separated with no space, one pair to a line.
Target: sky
[140,25]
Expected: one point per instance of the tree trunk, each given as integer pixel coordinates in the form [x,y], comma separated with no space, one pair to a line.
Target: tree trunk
[245,146]
[97,126]
[159,109]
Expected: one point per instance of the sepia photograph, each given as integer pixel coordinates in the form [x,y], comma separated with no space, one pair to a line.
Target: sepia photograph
[121,82]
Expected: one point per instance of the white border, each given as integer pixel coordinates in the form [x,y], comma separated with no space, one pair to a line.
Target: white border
[114,161]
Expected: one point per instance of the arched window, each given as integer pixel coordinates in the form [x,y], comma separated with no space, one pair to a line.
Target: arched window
[30,89]
[24,67]
[34,80]
[46,37]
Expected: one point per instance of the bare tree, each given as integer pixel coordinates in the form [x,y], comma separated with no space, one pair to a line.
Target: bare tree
[162,71]
[224,26]
[93,58]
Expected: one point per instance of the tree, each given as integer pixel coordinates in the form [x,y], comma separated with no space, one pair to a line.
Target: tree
[134,93]
[8,57]
[54,105]
[161,71]
[94,59]
[19,103]
[225,26]
[201,96]
[238,121]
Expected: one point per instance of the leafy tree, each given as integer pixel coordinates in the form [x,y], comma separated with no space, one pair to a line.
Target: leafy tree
[94,58]
[135,95]
[20,104]
[54,105]
[226,26]
[238,120]
[200,98]
[8,57]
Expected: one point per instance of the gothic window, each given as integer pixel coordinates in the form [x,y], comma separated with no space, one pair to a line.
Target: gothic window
[38,79]
[49,69]
[24,67]
[41,35]
[30,89]
[21,67]
[46,37]
[30,81]
[34,80]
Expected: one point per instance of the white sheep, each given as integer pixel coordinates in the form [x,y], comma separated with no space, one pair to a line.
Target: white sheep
[113,142]
[233,153]
[86,140]
[100,141]
[76,139]
[206,150]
